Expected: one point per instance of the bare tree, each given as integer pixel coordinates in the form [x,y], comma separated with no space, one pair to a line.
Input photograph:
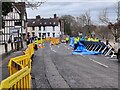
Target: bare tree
[103,17]
[68,23]
[32,4]
[113,27]
[115,30]
[85,22]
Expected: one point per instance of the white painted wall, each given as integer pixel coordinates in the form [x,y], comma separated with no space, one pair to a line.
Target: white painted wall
[47,29]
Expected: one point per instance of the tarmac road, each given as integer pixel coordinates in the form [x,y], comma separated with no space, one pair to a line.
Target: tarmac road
[56,67]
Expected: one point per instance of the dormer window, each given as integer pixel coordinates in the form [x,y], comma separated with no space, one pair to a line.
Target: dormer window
[50,23]
[45,23]
[40,23]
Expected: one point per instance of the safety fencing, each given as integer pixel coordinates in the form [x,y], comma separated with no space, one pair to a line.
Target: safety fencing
[48,39]
[30,50]
[15,63]
[19,80]
[54,41]
[100,47]
[19,69]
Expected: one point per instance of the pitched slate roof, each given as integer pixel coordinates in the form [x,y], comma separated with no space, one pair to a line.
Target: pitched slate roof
[43,22]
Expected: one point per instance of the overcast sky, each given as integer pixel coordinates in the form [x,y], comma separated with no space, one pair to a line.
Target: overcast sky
[75,8]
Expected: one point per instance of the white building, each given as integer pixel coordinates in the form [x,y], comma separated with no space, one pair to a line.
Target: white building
[44,27]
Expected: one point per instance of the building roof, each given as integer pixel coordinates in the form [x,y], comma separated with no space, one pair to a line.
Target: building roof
[43,22]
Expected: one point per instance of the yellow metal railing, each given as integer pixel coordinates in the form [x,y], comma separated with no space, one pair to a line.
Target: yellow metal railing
[19,69]
[55,41]
[48,39]
[19,80]
[30,50]
[14,63]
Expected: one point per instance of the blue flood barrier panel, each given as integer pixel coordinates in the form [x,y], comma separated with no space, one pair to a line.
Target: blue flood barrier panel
[81,49]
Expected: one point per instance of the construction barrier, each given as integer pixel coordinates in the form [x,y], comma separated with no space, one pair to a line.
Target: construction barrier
[30,50]
[54,41]
[48,39]
[100,47]
[14,63]
[19,69]
[19,80]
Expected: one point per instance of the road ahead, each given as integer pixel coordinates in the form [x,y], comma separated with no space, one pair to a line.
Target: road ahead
[56,67]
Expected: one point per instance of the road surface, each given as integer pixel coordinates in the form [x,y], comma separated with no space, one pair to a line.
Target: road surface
[56,67]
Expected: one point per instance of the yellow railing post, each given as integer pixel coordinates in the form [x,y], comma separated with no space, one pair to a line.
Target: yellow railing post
[19,69]
[14,80]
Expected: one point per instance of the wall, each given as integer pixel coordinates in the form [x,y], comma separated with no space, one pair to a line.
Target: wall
[48,29]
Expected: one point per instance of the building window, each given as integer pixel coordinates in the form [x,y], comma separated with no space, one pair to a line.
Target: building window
[39,34]
[54,23]
[53,34]
[39,28]
[53,28]
[33,28]
[43,28]
[44,35]
[45,23]
[33,34]
[48,34]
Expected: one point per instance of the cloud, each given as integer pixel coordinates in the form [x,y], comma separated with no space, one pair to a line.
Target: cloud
[74,8]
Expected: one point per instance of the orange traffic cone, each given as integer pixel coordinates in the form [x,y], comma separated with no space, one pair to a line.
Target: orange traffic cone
[40,46]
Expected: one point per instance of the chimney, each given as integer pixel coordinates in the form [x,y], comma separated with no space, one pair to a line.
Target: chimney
[55,15]
[38,17]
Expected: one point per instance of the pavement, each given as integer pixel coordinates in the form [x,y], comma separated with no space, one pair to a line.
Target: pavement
[4,60]
[56,67]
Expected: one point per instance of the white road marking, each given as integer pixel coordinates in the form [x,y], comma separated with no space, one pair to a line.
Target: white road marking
[82,55]
[99,63]
[58,46]
[53,50]
[66,47]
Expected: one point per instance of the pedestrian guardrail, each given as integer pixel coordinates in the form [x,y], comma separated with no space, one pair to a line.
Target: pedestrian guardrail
[30,50]
[19,80]
[100,47]
[15,63]
[19,69]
